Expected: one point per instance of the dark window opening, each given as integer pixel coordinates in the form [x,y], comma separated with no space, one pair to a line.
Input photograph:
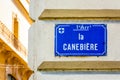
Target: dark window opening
[10,77]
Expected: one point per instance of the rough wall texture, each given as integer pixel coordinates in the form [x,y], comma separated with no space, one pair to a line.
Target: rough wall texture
[41,40]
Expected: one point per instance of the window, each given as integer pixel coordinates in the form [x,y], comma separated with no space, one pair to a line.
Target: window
[10,77]
[15,30]
[15,25]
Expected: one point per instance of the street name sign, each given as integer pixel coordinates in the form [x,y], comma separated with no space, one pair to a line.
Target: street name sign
[80,39]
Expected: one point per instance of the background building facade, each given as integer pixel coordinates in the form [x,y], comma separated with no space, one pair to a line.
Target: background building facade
[14,24]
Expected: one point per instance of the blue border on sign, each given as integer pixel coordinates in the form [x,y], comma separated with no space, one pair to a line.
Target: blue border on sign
[104,53]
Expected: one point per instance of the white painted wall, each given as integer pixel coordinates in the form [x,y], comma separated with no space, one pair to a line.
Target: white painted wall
[41,39]
[41,47]
[77,76]
[37,6]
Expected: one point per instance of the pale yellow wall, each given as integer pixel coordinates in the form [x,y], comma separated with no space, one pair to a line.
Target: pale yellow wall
[12,60]
[2,69]
[7,8]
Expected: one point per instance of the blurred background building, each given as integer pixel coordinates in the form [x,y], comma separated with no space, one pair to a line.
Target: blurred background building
[14,25]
